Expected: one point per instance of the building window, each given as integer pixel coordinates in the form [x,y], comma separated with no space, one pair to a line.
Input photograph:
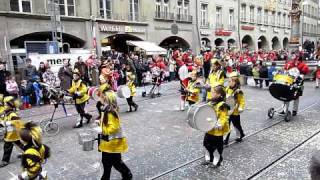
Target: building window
[179,9]
[186,7]
[251,14]
[266,16]
[218,17]
[105,9]
[21,5]
[183,10]
[204,15]
[289,21]
[166,9]
[231,20]
[273,18]
[158,8]
[243,12]
[134,10]
[259,16]
[67,7]
[284,20]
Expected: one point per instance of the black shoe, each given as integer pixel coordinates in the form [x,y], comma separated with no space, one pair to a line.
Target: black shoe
[239,139]
[220,161]
[136,107]
[89,117]
[3,164]
[282,112]
[130,109]
[226,142]
[19,156]
[317,86]
[294,113]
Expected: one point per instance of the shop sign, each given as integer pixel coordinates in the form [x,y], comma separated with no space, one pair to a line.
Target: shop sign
[116,29]
[247,28]
[223,33]
[205,32]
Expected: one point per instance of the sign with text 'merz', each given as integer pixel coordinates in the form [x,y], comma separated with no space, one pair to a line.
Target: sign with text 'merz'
[56,60]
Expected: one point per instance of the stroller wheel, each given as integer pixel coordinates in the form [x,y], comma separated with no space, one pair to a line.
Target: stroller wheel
[144,94]
[271,113]
[287,117]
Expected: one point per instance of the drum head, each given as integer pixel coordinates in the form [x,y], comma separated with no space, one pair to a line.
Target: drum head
[204,118]
[282,92]
[231,102]
[124,91]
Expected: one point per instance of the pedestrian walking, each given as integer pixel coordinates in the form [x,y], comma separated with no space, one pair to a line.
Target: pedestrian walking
[65,75]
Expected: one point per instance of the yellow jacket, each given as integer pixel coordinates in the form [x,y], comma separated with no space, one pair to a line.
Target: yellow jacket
[2,112]
[194,92]
[221,110]
[239,99]
[79,86]
[132,88]
[12,124]
[215,79]
[104,87]
[32,159]
[112,127]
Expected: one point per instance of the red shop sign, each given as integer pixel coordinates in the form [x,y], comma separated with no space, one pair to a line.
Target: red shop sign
[248,28]
[223,33]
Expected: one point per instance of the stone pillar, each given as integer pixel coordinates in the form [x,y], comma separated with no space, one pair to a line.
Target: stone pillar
[295,25]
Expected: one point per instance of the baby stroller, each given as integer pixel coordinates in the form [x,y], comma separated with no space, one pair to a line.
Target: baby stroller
[156,80]
[285,88]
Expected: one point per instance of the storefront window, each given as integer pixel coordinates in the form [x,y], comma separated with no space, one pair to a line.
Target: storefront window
[21,5]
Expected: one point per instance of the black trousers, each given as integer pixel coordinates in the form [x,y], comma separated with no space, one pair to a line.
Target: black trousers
[131,102]
[191,102]
[235,119]
[110,160]
[99,107]
[7,149]
[261,83]
[213,143]
[81,111]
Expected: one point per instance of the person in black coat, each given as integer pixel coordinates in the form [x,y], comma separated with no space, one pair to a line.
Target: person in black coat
[263,72]
[4,74]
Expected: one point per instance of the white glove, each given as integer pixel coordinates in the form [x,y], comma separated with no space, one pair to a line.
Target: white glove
[240,110]
[218,126]
[78,93]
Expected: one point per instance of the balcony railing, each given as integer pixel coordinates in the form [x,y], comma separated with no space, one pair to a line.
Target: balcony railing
[231,27]
[219,26]
[184,18]
[243,19]
[163,16]
[126,17]
[205,25]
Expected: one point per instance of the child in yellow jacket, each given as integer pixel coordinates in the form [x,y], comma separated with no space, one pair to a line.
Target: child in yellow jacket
[213,139]
[193,89]
[233,91]
[132,87]
[215,78]
[12,124]
[112,140]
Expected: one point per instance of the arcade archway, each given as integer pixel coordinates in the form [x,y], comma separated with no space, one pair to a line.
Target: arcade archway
[175,42]
[285,43]
[219,43]
[263,43]
[247,42]
[276,43]
[119,42]
[232,43]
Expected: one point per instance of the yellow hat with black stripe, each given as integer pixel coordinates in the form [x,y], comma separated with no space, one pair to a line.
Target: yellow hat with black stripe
[233,74]
[215,61]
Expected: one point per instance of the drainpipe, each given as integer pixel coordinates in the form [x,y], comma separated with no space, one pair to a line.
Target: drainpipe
[197,23]
[239,35]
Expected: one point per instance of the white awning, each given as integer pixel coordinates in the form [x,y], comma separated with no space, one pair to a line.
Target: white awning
[150,47]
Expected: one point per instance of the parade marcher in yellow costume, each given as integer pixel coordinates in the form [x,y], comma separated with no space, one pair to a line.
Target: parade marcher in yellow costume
[2,108]
[79,92]
[233,90]
[213,139]
[35,153]
[193,89]
[112,140]
[104,86]
[12,124]
[132,87]
[215,78]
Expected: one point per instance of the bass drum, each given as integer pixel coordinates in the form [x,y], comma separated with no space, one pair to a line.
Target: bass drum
[231,103]
[123,91]
[202,117]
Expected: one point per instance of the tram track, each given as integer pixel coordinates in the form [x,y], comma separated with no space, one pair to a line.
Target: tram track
[260,171]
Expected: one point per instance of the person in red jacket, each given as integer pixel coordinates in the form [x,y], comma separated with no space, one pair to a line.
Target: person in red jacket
[303,68]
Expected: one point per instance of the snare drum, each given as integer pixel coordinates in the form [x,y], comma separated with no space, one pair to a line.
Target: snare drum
[202,117]
[93,92]
[232,104]
[123,91]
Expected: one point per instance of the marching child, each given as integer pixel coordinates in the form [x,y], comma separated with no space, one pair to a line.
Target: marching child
[112,140]
[132,87]
[233,91]
[79,92]
[193,89]
[12,124]
[216,77]
[104,86]
[213,139]
[25,94]
[35,153]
